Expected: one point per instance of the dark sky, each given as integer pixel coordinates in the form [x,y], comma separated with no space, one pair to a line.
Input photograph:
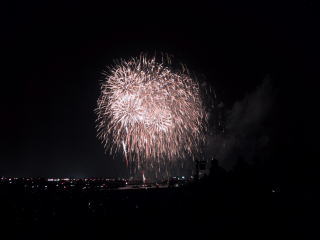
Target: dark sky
[53,54]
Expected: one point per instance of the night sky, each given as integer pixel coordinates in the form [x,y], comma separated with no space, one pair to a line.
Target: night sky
[53,55]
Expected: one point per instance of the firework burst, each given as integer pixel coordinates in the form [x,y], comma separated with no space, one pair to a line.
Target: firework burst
[150,111]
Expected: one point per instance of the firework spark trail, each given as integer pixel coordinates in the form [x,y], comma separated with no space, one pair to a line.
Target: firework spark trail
[150,111]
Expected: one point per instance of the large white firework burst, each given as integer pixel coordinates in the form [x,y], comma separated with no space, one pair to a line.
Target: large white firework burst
[150,111]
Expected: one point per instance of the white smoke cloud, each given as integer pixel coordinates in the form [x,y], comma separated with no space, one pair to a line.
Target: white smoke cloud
[245,132]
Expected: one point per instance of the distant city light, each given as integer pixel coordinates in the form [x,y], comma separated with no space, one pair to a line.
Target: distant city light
[53,179]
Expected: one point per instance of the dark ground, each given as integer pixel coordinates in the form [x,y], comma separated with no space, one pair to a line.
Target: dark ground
[235,204]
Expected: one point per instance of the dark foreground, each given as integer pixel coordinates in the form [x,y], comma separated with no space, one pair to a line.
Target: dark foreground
[208,209]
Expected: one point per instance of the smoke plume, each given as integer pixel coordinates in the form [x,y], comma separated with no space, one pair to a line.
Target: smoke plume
[246,132]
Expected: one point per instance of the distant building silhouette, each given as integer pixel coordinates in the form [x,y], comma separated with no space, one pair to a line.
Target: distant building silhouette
[216,171]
